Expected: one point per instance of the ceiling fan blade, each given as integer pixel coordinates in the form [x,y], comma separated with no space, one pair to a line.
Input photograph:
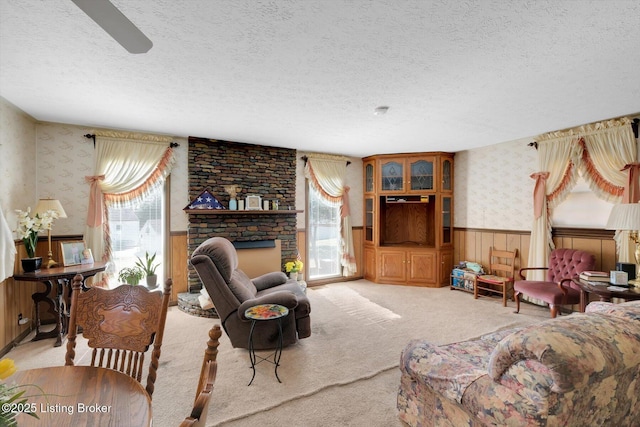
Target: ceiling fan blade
[105,14]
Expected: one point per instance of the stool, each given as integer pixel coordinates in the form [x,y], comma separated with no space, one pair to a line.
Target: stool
[265,312]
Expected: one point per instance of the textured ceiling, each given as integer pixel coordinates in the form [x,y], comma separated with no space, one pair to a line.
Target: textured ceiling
[308,74]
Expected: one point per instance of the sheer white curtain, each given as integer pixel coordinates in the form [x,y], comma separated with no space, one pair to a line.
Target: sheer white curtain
[606,148]
[327,175]
[127,167]
[601,152]
[556,159]
[608,165]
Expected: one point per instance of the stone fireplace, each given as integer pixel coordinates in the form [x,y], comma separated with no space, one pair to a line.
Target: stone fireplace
[269,172]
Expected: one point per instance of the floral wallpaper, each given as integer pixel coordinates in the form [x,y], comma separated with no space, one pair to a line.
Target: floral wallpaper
[492,185]
[17,161]
[492,188]
[486,196]
[63,158]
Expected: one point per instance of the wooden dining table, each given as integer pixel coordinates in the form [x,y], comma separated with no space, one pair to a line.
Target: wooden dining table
[82,396]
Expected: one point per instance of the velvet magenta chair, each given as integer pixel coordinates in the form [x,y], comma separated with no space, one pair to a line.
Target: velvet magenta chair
[558,289]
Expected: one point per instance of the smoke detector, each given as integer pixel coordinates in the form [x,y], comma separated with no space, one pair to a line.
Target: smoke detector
[379,111]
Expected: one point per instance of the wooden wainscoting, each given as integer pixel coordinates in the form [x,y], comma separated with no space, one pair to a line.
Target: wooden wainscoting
[473,244]
[15,299]
[178,260]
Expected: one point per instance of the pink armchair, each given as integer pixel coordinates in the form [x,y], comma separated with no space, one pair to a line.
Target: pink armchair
[558,289]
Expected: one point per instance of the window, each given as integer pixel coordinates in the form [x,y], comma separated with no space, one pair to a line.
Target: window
[581,209]
[137,229]
[323,237]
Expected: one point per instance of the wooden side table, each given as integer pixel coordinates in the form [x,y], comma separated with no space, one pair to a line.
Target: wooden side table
[604,293]
[58,307]
[265,312]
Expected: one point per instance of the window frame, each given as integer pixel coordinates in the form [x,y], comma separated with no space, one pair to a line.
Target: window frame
[309,250]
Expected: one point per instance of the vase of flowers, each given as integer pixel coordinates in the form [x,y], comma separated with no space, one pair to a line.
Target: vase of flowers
[28,229]
[232,190]
[293,268]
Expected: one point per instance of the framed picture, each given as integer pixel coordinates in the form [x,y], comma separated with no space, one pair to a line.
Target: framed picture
[254,203]
[87,257]
[72,252]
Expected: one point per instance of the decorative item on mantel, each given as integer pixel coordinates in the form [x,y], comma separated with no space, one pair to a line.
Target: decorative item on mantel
[232,191]
[253,202]
[205,201]
[28,229]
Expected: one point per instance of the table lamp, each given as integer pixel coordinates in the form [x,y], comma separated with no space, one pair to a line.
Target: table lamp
[54,205]
[626,217]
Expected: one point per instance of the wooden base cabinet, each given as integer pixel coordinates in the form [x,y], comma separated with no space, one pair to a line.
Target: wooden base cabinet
[446,266]
[400,266]
[393,265]
[408,218]
[422,268]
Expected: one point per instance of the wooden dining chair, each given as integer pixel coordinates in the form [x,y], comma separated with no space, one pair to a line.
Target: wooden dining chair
[502,268]
[120,325]
[198,417]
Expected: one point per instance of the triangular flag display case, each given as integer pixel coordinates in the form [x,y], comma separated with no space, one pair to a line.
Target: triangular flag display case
[204,201]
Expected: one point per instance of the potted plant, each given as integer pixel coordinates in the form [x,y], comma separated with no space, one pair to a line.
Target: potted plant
[131,275]
[149,269]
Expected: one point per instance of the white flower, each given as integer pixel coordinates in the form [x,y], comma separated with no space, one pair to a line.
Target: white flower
[28,228]
[27,225]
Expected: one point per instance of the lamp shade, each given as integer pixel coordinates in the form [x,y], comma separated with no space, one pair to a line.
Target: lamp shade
[50,204]
[625,216]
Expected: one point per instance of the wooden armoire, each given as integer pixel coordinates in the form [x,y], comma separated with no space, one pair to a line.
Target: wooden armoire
[408,218]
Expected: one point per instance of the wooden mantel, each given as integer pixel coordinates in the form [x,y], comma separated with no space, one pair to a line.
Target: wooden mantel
[238,212]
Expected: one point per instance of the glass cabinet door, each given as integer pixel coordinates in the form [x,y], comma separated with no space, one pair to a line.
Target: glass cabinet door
[369,177]
[447,175]
[421,175]
[368,219]
[392,176]
[447,223]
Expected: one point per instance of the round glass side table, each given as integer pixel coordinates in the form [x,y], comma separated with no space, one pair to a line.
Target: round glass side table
[261,313]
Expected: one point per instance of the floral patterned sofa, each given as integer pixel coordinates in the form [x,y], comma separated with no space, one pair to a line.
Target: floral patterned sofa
[578,370]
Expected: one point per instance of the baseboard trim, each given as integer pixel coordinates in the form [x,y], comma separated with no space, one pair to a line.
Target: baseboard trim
[322,282]
[7,348]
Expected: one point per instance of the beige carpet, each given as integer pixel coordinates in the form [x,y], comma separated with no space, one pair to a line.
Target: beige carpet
[345,374]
